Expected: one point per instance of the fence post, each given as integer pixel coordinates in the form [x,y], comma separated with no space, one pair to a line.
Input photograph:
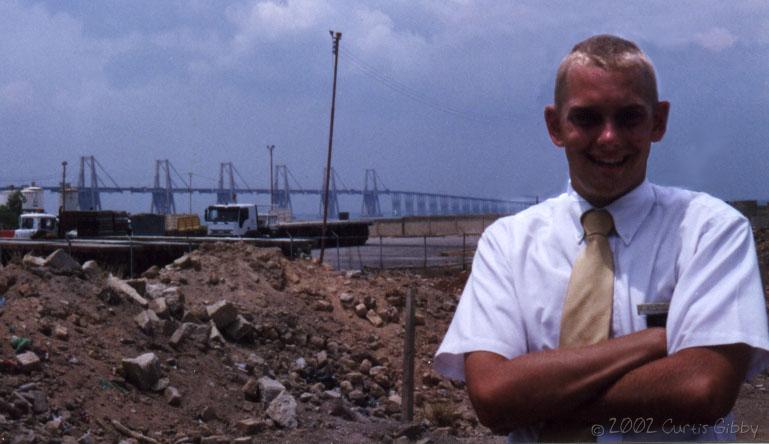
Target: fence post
[464,243]
[408,358]
[131,254]
[424,265]
[338,255]
[381,261]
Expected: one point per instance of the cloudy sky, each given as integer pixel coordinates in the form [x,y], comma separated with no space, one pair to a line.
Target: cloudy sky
[436,95]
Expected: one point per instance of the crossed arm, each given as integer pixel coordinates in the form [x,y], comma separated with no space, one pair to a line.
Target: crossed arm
[630,376]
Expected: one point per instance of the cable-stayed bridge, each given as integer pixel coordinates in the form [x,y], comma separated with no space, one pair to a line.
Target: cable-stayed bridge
[93,180]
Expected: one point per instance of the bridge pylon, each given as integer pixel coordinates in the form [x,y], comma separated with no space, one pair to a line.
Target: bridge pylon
[88,198]
[163,196]
[226,195]
[370,206]
[282,197]
[333,200]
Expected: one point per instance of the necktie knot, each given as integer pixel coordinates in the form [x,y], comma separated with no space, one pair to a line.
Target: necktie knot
[597,222]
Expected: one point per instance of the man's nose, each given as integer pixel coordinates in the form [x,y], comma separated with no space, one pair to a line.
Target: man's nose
[608,132]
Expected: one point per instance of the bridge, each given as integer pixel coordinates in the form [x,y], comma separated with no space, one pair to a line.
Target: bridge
[93,180]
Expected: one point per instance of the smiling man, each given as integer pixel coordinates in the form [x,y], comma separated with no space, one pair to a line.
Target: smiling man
[549,334]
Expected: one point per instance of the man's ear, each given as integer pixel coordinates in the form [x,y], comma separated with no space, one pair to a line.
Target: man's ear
[660,120]
[553,121]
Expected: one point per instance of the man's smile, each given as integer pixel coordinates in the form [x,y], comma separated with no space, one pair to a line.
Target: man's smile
[611,162]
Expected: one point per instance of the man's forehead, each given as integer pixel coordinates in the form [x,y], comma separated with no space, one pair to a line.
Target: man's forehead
[589,83]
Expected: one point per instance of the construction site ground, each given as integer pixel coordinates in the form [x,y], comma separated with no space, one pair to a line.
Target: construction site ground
[241,345]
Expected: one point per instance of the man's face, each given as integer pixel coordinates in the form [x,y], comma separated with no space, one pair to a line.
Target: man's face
[606,125]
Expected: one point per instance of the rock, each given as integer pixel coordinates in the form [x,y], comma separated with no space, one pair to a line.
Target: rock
[59,260]
[28,361]
[30,261]
[208,414]
[241,330]
[91,269]
[148,322]
[365,366]
[323,305]
[250,426]
[393,404]
[140,285]
[121,288]
[86,438]
[358,397]
[223,313]
[160,307]
[187,261]
[161,385]
[215,336]
[60,332]
[419,319]
[196,332]
[321,357]
[346,299]
[251,390]
[152,272]
[39,401]
[370,302]
[361,310]
[341,410]
[282,410]
[142,371]
[350,274]
[411,431]
[269,389]
[174,300]
[154,291]
[374,318]
[173,397]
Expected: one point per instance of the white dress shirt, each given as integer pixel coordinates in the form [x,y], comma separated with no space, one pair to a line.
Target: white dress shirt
[671,245]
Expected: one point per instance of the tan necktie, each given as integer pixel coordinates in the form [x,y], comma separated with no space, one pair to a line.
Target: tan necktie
[586,317]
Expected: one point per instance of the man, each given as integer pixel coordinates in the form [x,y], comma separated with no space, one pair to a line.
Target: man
[523,343]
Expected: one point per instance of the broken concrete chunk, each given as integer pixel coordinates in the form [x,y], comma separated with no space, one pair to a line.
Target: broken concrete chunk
[160,307]
[127,292]
[346,299]
[151,272]
[59,260]
[148,322]
[251,426]
[215,336]
[223,313]
[187,261]
[175,300]
[241,330]
[28,361]
[140,285]
[361,310]
[188,330]
[142,371]
[60,332]
[282,410]
[374,318]
[323,305]
[91,269]
[154,291]
[30,261]
[251,390]
[173,397]
[269,389]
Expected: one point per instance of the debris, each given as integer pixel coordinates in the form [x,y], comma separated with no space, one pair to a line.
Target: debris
[28,361]
[121,288]
[222,313]
[269,389]
[282,410]
[142,371]
[62,262]
[29,261]
[128,432]
[172,395]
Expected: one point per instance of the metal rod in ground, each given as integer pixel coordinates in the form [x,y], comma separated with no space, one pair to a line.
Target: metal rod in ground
[464,244]
[335,36]
[424,265]
[408,358]
[381,261]
[131,262]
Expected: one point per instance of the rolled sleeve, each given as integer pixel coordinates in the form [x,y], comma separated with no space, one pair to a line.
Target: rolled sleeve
[488,316]
[719,298]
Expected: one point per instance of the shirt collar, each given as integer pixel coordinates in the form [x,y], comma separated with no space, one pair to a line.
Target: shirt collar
[628,211]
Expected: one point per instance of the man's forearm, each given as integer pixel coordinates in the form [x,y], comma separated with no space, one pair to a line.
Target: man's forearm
[539,386]
[694,386]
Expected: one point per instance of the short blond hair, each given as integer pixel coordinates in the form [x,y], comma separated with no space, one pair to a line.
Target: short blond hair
[608,52]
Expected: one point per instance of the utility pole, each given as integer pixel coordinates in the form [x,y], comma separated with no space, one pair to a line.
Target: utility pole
[190,188]
[336,37]
[63,186]
[272,190]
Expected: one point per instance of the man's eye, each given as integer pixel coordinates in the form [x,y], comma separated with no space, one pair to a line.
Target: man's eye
[630,118]
[585,119]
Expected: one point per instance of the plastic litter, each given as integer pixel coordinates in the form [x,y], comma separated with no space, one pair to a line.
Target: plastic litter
[20,343]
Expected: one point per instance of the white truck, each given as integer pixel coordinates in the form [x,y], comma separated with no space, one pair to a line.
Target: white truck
[36,225]
[237,220]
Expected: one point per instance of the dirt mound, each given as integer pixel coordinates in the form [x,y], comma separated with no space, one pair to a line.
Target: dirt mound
[228,342]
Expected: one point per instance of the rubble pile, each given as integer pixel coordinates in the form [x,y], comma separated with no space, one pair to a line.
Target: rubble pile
[229,343]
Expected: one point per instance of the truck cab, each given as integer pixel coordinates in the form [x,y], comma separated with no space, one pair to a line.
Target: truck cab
[36,225]
[233,220]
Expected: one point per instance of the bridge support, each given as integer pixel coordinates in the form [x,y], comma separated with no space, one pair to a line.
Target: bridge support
[370,206]
[88,195]
[282,197]
[333,200]
[163,197]
[226,196]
